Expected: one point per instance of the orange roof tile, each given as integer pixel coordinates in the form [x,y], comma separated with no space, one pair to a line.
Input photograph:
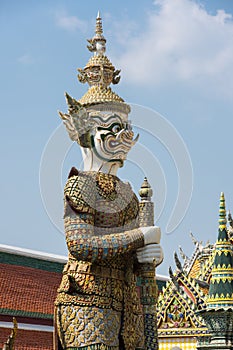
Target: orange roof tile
[28,289]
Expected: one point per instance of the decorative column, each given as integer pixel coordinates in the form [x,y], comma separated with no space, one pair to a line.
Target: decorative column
[147,281]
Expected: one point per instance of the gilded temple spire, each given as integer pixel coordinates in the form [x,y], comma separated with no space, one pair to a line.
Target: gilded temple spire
[222,213]
[221,283]
[218,315]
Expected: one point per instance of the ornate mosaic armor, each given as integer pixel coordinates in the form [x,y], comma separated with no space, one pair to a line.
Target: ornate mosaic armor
[97,305]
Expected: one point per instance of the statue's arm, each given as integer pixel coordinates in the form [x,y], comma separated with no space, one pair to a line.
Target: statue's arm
[80,195]
[84,245]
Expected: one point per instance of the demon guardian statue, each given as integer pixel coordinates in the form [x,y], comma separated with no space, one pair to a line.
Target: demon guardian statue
[97,305]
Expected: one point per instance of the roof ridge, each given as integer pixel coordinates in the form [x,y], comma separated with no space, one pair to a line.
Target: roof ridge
[32,253]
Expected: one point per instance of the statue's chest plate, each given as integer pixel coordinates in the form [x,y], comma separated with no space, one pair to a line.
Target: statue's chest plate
[110,213]
[115,203]
[111,202]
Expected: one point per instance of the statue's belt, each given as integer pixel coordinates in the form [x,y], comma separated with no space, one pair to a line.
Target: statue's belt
[103,271]
[80,267]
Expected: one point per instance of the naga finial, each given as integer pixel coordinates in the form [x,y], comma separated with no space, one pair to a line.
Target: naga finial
[10,343]
[230,220]
[183,255]
[178,263]
[222,213]
[195,242]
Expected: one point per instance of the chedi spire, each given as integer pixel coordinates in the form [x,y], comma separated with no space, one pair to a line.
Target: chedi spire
[218,314]
[221,283]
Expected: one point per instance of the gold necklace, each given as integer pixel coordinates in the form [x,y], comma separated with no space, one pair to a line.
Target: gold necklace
[106,185]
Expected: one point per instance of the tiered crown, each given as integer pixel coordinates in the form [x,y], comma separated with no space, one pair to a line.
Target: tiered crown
[99,73]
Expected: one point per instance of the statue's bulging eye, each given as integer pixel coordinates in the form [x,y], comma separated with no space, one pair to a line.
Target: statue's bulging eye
[116,128]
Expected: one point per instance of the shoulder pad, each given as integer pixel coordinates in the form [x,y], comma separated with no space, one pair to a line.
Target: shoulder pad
[80,192]
[73,171]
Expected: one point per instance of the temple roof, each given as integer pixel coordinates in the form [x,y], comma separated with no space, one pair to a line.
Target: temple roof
[27,291]
[184,294]
[204,283]
[29,281]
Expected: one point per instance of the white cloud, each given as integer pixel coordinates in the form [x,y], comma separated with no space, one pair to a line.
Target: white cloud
[70,23]
[25,59]
[182,42]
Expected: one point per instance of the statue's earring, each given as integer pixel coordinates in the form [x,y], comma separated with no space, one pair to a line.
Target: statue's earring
[85,140]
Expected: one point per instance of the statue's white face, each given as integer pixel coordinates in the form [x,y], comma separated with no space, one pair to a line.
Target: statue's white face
[111,138]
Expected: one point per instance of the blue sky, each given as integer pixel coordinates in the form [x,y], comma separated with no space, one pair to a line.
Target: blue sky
[176,58]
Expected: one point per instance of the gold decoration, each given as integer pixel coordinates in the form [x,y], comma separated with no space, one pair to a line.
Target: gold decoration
[100,60]
[106,185]
[222,213]
[99,73]
[105,284]
[100,94]
[83,326]
[10,343]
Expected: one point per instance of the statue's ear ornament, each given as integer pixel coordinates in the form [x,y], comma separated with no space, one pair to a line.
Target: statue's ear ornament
[78,122]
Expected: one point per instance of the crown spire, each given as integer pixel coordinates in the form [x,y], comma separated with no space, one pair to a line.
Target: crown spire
[100,73]
[98,42]
[98,27]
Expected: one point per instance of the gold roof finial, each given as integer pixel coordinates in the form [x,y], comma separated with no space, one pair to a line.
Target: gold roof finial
[222,213]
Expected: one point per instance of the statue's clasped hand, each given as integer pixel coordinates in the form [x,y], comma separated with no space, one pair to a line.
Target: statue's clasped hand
[152,252]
